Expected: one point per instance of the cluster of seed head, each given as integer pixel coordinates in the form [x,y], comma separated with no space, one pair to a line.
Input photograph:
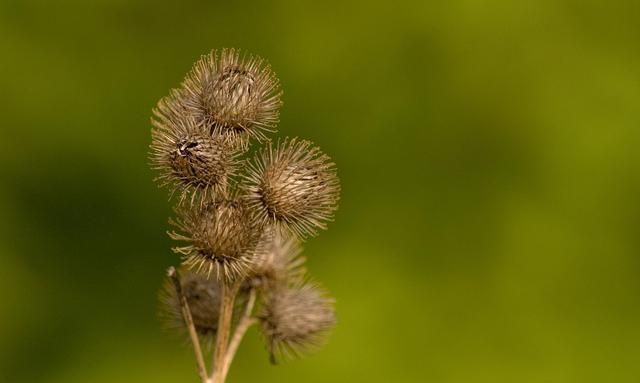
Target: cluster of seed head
[242,219]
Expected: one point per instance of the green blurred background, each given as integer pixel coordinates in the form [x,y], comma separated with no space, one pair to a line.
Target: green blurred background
[488,151]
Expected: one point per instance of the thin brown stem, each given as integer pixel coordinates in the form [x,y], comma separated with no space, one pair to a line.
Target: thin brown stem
[188,319]
[245,322]
[229,293]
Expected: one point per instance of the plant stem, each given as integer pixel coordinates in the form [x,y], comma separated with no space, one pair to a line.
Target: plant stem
[188,319]
[245,322]
[229,293]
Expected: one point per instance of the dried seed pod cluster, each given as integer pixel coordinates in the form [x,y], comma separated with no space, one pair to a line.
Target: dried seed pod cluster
[240,221]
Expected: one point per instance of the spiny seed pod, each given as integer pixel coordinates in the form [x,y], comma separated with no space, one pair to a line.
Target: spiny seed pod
[221,235]
[188,158]
[235,97]
[296,319]
[203,297]
[280,264]
[293,186]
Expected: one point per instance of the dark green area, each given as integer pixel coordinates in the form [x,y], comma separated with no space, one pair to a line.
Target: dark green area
[490,164]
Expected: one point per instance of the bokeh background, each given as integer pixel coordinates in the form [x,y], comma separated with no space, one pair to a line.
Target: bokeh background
[488,151]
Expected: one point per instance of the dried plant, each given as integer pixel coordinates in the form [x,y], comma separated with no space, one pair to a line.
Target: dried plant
[240,242]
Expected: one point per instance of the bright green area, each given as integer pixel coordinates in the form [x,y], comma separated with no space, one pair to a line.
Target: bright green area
[489,156]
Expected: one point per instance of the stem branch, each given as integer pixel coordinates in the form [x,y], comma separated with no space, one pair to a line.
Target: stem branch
[245,322]
[227,300]
[188,319]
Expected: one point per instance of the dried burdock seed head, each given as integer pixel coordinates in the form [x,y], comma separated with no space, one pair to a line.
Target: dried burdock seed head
[279,264]
[293,186]
[296,319]
[189,159]
[203,297]
[238,98]
[221,237]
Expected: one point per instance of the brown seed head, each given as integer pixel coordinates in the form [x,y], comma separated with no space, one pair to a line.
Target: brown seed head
[221,235]
[235,97]
[295,319]
[203,297]
[293,186]
[189,159]
[280,264]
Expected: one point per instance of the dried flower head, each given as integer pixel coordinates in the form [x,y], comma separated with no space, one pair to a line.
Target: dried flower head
[295,319]
[188,158]
[203,297]
[293,186]
[235,97]
[221,235]
[280,263]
